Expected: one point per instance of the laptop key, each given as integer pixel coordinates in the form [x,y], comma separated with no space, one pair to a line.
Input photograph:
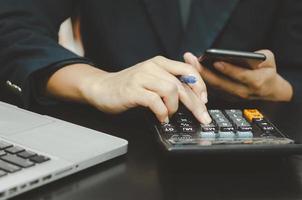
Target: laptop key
[26,154]
[14,149]
[4,145]
[8,167]
[2,173]
[39,159]
[2,153]
[14,159]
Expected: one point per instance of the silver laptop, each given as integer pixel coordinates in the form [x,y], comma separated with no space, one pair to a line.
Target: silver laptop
[37,149]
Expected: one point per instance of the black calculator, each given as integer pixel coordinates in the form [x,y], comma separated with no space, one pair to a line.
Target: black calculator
[231,130]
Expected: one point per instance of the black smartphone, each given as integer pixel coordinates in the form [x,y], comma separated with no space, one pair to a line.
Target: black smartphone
[238,58]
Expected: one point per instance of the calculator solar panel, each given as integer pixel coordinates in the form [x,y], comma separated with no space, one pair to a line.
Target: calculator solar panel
[231,130]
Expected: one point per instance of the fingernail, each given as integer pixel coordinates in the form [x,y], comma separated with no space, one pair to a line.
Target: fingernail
[204,97]
[166,120]
[219,65]
[206,118]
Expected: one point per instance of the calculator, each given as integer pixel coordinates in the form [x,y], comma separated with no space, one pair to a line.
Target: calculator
[231,130]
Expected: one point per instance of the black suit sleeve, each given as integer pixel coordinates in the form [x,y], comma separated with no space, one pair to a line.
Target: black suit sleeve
[29,42]
[286,43]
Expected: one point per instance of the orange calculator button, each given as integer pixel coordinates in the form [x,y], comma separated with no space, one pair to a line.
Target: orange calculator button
[251,114]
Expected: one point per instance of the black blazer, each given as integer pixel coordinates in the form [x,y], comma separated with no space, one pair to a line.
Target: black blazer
[120,33]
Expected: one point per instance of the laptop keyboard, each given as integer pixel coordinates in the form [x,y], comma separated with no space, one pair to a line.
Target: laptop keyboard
[14,158]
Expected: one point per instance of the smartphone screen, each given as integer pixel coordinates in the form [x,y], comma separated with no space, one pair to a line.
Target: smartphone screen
[238,58]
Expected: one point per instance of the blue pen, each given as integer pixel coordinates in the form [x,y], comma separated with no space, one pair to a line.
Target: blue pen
[188,79]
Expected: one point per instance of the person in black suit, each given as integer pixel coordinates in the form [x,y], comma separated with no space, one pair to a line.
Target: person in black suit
[123,40]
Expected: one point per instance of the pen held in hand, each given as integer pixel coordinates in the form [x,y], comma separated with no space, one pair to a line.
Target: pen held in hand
[188,79]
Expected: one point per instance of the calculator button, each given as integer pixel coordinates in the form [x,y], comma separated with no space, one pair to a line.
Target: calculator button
[244,128]
[234,111]
[220,120]
[242,123]
[168,128]
[262,122]
[244,134]
[268,129]
[184,124]
[227,129]
[251,114]
[208,127]
[208,135]
[238,120]
[234,116]
[187,130]
[229,134]
[224,124]
[214,111]
[265,126]
[183,120]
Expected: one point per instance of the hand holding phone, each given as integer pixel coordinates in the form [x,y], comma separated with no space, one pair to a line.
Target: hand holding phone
[244,74]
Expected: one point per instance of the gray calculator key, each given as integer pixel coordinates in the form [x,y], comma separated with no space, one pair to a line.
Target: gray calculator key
[220,120]
[244,128]
[239,120]
[235,116]
[245,134]
[243,123]
[233,111]
[215,111]
[208,135]
[224,124]
[227,129]
[216,114]
[17,161]
[208,127]
[8,167]
[229,134]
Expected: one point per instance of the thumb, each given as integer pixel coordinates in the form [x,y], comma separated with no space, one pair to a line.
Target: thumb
[269,62]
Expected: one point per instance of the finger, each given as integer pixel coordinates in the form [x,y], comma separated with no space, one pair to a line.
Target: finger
[240,74]
[161,73]
[225,84]
[191,101]
[193,60]
[154,102]
[195,105]
[167,90]
[182,69]
[270,59]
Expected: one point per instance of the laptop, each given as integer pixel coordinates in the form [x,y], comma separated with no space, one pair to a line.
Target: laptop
[38,149]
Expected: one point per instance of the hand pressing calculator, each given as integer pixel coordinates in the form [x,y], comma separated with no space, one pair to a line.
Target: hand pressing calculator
[231,130]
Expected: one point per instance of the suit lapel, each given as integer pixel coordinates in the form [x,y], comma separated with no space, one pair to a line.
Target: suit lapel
[165,19]
[206,22]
